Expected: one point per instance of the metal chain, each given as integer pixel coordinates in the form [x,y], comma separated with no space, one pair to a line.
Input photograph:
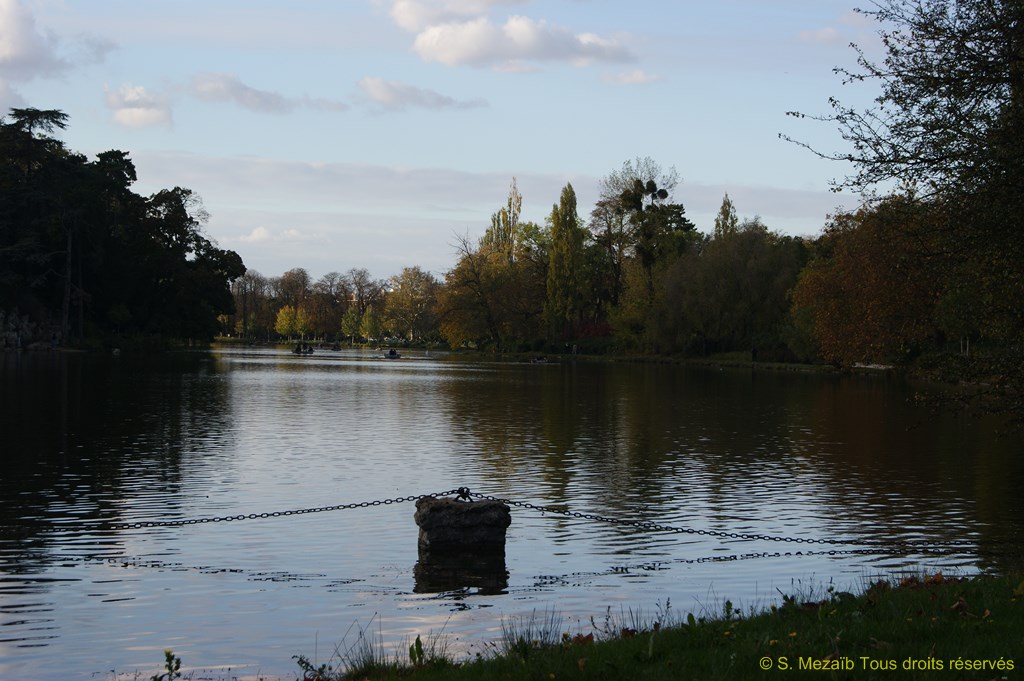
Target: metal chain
[658,527]
[253,516]
[464,494]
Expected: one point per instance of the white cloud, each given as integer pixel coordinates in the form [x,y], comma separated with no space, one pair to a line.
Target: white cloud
[226,87]
[339,214]
[28,53]
[325,104]
[822,36]
[635,77]
[135,107]
[256,236]
[479,42]
[25,53]
[9,98]
[394,96]
[416,15]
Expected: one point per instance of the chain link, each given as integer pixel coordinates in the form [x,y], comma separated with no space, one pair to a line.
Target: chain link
[254,516]
[658,527]
[464,494]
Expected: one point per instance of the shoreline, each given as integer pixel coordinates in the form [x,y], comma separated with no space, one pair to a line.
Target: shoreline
[925,625]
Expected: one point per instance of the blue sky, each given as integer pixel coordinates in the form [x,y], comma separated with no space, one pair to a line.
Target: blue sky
[331,134]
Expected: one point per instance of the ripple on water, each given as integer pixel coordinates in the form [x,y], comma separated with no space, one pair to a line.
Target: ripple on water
[259,431]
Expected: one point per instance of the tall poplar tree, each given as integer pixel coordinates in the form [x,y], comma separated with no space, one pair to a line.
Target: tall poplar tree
[503,234]
[565,268]
[726,222]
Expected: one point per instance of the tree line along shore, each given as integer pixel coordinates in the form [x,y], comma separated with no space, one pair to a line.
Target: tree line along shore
[927,273]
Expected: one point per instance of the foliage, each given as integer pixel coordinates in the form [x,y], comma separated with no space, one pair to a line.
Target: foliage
[948,123]
[870,290]
[726,222]
[503,234]
[370,326]
[565,281]
[491,300]
[292,322]
[951,97]
[84,255]
[312,671]
[732,294]
[172,665]
[410,303]
[350,322]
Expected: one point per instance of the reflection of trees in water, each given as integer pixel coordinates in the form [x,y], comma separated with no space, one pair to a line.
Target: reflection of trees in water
[841,455]
[903,468]
[81,432]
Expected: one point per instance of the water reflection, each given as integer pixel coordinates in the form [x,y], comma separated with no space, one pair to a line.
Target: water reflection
[461,571]
[90,442]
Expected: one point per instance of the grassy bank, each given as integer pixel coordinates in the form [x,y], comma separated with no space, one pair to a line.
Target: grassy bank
[929,627]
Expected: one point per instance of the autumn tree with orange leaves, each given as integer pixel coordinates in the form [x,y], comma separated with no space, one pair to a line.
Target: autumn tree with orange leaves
[871,292]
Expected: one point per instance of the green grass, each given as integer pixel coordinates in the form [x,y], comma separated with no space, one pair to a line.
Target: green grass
[945,627]
[921,627]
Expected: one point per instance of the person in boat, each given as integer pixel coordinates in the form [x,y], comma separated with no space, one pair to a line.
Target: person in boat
[392,353]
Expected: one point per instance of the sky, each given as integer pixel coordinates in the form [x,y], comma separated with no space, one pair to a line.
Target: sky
[333,134]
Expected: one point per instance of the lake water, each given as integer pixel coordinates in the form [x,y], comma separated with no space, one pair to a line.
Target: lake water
[92,443]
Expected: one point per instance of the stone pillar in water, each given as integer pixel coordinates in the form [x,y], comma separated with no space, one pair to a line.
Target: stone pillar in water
[461,545]
[452,523]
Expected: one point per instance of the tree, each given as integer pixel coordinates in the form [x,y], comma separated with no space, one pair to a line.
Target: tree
[350,322]
[949,124]
[731,294]
[726,222]
[566,278]
[950,111]
[325,303]
[642,231]
[370,325]
[285,324]
[252,303]
[468,304]
[612,232]
[409,305]
[503,234]
[870,293]
[656,224]
[365,290]
[295,285]
[190,288]
[88,255]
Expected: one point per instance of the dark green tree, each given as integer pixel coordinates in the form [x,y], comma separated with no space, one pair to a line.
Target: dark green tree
[566,277]
[87,256]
